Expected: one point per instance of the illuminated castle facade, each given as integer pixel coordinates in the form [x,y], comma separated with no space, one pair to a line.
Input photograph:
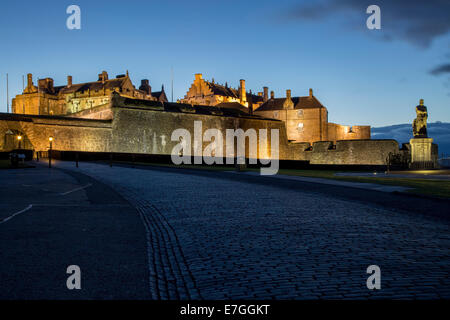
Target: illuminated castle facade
[71,99]
[305,117]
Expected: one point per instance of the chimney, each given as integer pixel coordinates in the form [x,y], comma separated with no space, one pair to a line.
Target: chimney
[288,93]
[242,93]
[103,76]
[41,83]
[266,94]
[198,76]
[310,93]
[69,81]
[49,83]
[272,95]
[29,80]
[250,104]
[46,84]
[145,86]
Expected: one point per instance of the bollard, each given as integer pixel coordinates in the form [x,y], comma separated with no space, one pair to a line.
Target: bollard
[76,159]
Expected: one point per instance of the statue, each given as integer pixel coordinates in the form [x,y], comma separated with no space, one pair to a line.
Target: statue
[420,122]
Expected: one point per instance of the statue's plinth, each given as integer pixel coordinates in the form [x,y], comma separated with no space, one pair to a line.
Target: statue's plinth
[421,153]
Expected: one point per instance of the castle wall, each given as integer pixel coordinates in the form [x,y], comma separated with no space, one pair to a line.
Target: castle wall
[338,132]
[101,112]
[358,152]
[69,134]
[149,131]
[137,130]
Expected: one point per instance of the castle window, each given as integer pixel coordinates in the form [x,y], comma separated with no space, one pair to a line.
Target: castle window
[300,113]
[300,127]
[275,114]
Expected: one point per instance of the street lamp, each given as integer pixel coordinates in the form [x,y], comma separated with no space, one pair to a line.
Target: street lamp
[19,138]
[50,139]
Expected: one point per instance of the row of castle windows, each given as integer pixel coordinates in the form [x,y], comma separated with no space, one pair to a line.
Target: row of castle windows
[299,114]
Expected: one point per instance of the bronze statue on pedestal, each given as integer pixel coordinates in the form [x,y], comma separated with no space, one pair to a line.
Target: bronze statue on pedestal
[420,122]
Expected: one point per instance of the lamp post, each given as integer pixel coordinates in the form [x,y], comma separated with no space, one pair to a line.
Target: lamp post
[50,139]
[19,138]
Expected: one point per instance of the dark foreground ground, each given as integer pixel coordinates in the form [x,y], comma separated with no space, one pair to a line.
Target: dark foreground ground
[160,233]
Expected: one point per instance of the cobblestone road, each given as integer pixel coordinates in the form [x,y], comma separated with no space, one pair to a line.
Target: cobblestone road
[214,238]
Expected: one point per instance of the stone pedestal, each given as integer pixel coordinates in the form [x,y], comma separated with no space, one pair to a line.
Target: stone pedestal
[421,153]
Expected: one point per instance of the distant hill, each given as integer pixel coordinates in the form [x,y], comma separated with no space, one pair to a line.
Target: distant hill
[439,131]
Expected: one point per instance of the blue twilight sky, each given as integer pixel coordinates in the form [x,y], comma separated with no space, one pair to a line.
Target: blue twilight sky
[367,77]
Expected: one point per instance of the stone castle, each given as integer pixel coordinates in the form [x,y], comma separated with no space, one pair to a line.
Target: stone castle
[112,116]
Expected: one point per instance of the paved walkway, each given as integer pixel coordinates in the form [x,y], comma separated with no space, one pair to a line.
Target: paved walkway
[213,237]
[50,220]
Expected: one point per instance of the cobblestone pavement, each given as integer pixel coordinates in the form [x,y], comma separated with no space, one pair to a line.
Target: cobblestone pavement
[215,238]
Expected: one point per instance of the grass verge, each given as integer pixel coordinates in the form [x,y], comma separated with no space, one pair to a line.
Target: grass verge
[429,187]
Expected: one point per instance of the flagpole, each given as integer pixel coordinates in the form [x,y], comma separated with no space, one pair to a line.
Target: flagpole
[23,89]
[39,99]
[172,82]
[7,94]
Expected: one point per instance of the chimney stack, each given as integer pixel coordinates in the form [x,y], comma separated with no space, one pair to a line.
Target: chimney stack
[29,80]
[242,93]
[250,104]
[145,86]
[198,76]
[310,93]
[272,95]
[69,81]
[103,76]
[266,94]
[288,93]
